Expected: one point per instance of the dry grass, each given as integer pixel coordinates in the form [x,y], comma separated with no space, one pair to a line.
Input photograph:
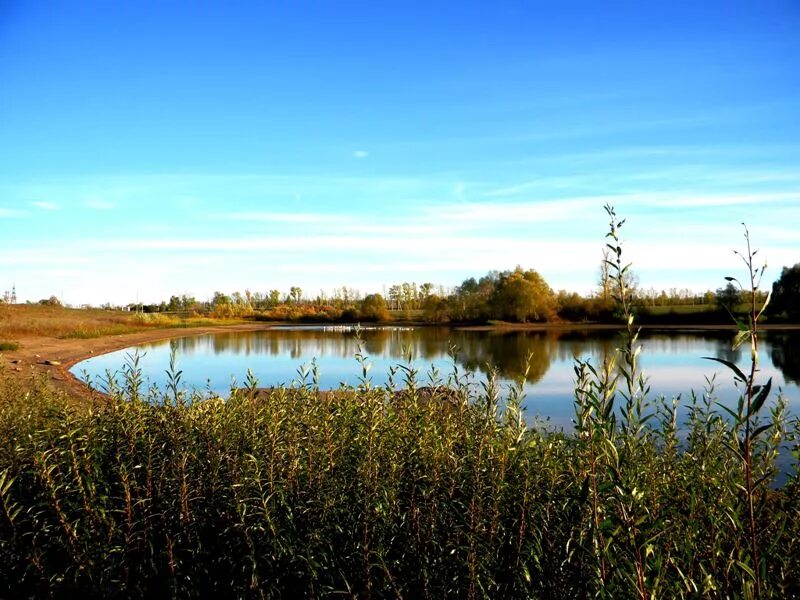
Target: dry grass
[54,321]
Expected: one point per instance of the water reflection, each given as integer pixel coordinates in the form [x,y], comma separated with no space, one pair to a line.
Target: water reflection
[672,361]
[507,352]
[784,351]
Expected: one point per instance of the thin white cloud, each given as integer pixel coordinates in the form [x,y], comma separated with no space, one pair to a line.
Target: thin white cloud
[441,253]
[698,178]
[45,205]
[360,154]
[471,218]
[282,217]
[690,200]
[481,214]
[679,199]
[400,245]
[98,204]
[42,257]
[459,190]
[278,231]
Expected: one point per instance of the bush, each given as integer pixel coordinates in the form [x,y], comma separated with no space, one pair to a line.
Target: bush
[429,493]
[373,308]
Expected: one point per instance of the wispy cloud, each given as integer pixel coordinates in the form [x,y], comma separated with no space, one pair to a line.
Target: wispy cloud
[341,229]
[283,217]
[45,205]
[690,200]
[481,214]
[360,154]
[98,204]
[10,213]
[459,191]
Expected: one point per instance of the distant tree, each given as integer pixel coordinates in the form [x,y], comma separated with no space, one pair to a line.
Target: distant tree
[408,295]
[785,302]
[373,308]
[604,281]
[274,297]
[468,286]
[394,297]
[220,299]
[436,309]
[728,297]
[51,301]
[425,290]
[295,293]
[471,300]
[572,306]
[523,296]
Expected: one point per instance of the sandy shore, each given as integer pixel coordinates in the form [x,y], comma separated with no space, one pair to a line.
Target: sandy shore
[55,356]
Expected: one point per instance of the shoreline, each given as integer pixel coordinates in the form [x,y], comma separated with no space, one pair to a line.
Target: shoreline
[56,356]
[35,352]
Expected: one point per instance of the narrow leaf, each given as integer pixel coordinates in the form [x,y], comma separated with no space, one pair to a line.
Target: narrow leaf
[730,412]
[766,302]
[759,430]
[741,337]
[760,397]
[739,375]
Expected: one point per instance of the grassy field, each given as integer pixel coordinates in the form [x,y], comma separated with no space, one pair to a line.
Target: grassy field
[17,321]
[692,309]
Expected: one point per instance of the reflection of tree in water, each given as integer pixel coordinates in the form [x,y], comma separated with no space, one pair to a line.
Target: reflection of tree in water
[784,350]
[507,352]
[580,344]
[726,351]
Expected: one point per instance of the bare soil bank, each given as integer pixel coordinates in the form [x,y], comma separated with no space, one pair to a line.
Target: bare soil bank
[39,354]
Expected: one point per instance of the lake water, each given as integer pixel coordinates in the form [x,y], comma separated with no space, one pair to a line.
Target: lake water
[672,360]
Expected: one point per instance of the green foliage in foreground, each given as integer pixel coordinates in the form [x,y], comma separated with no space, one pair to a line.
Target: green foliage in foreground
[367,492]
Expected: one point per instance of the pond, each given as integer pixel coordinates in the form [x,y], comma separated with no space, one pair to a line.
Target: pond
[672,360]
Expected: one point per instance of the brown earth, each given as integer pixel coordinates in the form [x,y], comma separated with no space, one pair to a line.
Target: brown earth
[53,356]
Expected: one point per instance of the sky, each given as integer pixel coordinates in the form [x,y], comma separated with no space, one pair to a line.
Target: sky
[157,148]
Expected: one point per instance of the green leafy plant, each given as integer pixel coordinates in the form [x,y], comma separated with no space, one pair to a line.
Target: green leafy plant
[747,427]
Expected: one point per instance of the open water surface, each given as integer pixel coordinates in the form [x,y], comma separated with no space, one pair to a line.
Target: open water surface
[672,360]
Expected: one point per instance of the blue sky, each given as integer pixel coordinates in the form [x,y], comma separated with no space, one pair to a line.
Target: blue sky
[164,148]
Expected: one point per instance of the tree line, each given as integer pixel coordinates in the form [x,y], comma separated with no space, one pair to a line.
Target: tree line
[516,296]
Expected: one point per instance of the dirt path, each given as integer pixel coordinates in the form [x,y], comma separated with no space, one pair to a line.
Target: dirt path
[55,356]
